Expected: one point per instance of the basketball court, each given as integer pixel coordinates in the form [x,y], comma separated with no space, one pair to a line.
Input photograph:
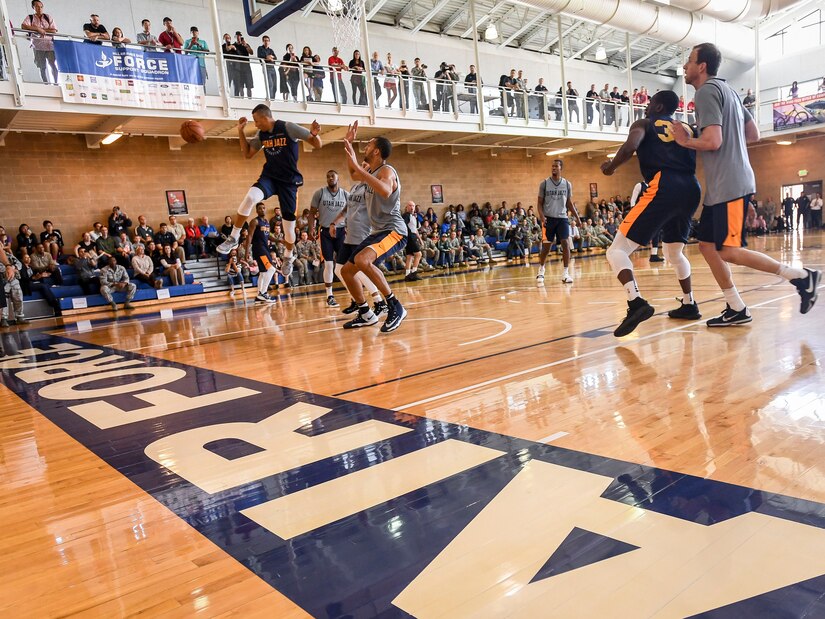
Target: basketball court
[500,454]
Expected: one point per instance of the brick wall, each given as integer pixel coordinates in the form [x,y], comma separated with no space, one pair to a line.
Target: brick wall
[57,177]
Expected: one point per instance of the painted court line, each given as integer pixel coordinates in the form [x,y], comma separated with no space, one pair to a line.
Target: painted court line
[507,326]
[545,366]
[553,437]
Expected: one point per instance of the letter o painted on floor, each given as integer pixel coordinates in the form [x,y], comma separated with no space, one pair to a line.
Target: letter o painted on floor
[67,389]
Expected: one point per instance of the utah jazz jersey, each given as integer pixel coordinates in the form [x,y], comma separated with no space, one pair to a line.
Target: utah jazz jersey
[260,237]
[659,150]
[281,151]
[329,205]
[358,220]
[385,213]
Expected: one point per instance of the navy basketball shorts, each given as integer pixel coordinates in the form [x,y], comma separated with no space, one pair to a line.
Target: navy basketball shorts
[287,194]
[331,247]
[555,230]
[667,204]
[724,224]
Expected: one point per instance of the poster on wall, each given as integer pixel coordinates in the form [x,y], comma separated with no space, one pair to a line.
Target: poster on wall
[437,193]
[176,202]
[594,190]
[129,77]
[799,112]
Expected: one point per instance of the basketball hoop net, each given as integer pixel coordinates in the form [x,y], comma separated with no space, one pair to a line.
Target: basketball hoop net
[345,16]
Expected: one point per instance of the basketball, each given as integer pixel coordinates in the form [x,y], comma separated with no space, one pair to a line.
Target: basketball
[192,131]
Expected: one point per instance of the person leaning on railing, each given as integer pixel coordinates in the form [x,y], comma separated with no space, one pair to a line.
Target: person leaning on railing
[42,25]
[199,46]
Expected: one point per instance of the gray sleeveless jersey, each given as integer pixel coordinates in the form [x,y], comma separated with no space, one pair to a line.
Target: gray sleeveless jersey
[358,220]
[555,197]
[385,213]
[329,205]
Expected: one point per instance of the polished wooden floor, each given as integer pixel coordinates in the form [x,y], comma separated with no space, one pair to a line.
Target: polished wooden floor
[485,348]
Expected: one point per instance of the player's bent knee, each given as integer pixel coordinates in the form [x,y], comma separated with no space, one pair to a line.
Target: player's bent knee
[674,255]
[253,196]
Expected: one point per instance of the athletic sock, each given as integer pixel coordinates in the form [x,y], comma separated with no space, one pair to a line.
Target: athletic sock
[328,288]
[632,290]
[733,299]
[376,296]
[407,272]
[391,298]
[654,251]
[789,272]
[236,233]
[541,270]
[689,298]
[566,271]
[364,310]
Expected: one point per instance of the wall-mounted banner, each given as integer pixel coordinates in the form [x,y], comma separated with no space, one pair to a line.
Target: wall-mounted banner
[102,75]
[797,112]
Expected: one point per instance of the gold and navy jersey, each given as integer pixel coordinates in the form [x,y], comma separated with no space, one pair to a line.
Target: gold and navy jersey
[659,150]
[260,236]
[281,152]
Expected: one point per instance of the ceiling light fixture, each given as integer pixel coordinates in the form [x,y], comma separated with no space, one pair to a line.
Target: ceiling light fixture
[601,53]
[559,151]
[784,142]
[112,137]
[491,33]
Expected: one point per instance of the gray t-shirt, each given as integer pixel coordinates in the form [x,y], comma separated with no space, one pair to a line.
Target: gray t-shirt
[728,171]
[385,213]
[329,205]
[555,197]
[358,221]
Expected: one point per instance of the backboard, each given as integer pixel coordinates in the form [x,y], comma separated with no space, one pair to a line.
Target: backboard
[260,17]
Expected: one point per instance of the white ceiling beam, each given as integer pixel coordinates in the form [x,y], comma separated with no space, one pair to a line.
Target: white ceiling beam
[522,30]
[428,17]
[555,39]
[453,20]
[482,19]
[584,49]
[403,12]
[376,7]
[650,54]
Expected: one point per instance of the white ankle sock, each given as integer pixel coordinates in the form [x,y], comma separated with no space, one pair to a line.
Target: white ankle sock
[632,290]
[733,299]
[789,272]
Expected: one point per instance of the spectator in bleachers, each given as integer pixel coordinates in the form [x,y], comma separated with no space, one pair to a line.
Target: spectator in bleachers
[94,31]
[307,261]
[85,270]
[144,230]
[209,233]
[170,38]
[497,228]
[390,80]
[42,25]
[606,105]
[5,240]
[232,64]
[194,243]
[177,230]
[14,294]
[114,278]
[124,250]
[52,238]
[249,265]
[171,265]
[377,70]
[336,76]
[118,222]
[144,268]
[446,250]
[483,247]
[44,266]
[430,250]
[233,271]
[164,237]
[26,240]
[137,241]
[306,70]
[145,36]
[95,232]
[271,62]
[89,246]
[196,44]
[515,243]
[226,228]
[118,40]
[276,219]
[455,243]
[30,284]
[106,245]
[572,102]
[591,98]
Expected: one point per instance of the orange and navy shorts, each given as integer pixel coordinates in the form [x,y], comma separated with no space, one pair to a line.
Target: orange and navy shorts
[724,224]
[384,244]
[667,203]
[263,258]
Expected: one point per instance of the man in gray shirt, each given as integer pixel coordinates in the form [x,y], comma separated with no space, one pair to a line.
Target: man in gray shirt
[554,200]
[726,128]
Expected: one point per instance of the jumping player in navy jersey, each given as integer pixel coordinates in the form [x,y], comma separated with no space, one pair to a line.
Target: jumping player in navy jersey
[669,197]
[259,238]
[280,176]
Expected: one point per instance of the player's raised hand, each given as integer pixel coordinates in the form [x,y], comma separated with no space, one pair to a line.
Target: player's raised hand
[352,132]
[242,122]
[606,168]
[351,154]
[315,128]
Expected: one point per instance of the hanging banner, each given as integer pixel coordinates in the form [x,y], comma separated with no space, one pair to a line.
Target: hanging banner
[798,112]
[103,75]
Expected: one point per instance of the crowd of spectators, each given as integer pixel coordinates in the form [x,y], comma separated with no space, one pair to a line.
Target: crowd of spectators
[394,84]
[801,213]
